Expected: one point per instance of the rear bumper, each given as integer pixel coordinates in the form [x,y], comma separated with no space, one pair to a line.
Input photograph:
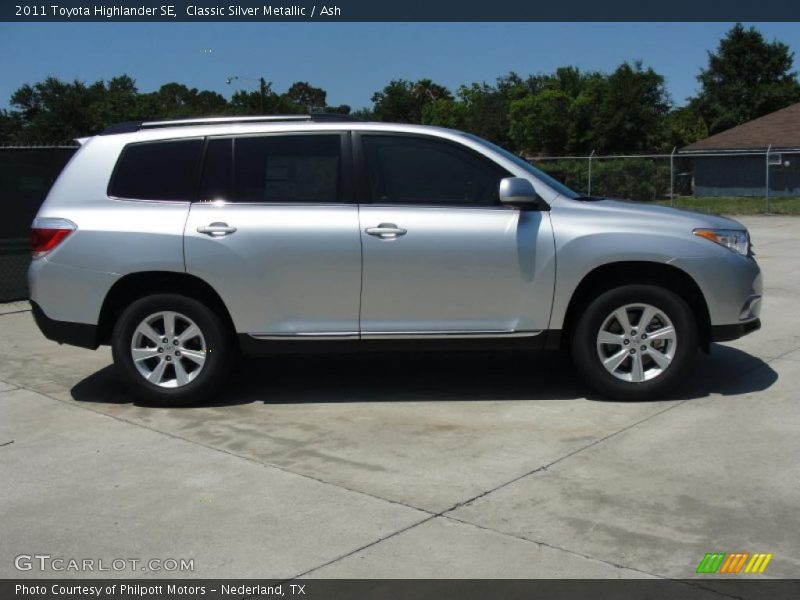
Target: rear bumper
[726,333]
[65,332]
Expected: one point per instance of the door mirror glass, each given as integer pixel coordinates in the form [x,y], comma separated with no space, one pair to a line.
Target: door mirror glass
[520,193]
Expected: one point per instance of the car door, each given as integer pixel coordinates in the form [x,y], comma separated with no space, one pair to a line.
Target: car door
[276,234]
[441,256]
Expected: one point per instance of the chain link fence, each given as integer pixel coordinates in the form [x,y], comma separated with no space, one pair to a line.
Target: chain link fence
[767,175]
[26,174]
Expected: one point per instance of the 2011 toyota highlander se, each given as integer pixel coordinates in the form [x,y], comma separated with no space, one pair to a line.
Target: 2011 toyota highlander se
[183,243]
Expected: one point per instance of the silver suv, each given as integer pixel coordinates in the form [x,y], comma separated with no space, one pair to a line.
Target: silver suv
[185,243]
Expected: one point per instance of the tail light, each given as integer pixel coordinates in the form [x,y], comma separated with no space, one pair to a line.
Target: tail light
[46,234]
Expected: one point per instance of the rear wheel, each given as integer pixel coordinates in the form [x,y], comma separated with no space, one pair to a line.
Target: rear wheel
[173,350]
[635,342]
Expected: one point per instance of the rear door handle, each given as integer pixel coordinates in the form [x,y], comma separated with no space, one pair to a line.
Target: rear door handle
[386,231]
[216,229]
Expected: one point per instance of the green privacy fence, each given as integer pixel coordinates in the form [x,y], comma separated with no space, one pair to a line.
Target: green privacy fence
[26,174]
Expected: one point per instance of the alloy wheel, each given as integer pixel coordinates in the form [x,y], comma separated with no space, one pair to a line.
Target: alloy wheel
[636,342]
[168,349]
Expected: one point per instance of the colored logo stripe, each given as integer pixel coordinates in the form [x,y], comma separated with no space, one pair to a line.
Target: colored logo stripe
[758,563]
[734,562]
[711,562]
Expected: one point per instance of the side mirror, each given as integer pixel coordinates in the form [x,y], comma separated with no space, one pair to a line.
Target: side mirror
[519,193]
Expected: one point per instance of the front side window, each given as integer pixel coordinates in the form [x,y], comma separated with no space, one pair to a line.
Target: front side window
[556,185]
[157,171]
[287,168]
[413,170]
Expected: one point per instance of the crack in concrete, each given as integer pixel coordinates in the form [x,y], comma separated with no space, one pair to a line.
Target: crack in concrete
[15,312]
[365,546]
[256,461]
[611,435]
[510,535]
[558,460]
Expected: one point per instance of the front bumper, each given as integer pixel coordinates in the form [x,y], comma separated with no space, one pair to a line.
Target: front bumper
[731,285]
[726,333]
[65,332]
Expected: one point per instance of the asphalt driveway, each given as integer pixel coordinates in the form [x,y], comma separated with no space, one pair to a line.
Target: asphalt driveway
[411,466]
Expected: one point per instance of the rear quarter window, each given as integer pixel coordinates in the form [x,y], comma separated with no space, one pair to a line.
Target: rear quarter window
[157,171]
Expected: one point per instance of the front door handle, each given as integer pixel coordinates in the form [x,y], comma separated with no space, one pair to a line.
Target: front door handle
[216,229]
[386,231]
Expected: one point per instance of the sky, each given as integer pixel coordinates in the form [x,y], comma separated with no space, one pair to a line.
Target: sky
[352,60]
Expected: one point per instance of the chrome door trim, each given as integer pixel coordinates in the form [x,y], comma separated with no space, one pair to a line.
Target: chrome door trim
[454,334]
[313,335]
[387,335]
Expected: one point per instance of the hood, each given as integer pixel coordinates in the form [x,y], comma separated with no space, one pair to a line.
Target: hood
[665,214]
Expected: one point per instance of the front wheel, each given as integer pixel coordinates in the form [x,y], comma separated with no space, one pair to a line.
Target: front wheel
[173,350]
[635,342]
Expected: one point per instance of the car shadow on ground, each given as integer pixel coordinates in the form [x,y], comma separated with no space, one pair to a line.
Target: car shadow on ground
[389,377]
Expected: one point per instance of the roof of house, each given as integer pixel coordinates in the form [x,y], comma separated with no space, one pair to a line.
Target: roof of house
[781,129]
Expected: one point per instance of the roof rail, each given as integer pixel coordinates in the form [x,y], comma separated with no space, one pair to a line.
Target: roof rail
[131,126]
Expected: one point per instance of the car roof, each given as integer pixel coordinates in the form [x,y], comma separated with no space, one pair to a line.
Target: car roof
[140,131]
[132,126]
[170,127]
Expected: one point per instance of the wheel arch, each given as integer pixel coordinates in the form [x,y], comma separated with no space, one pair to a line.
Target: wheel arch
[133,286]
[610,275]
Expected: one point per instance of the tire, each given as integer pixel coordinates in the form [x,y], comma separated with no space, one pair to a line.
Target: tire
[634,374]
[165,373]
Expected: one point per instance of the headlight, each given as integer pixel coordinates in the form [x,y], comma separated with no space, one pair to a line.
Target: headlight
[735,240]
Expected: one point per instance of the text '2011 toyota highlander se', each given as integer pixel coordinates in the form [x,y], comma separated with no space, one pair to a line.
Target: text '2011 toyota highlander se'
[183,243]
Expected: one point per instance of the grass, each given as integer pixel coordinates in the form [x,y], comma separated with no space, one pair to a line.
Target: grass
[736,206]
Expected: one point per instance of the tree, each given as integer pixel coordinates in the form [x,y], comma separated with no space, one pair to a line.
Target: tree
[584,122]
[339,109]
[630,116]
[556,113]
[119,101]
[684,126]
[746,78]
[53,111]
[175,100]
[541,122]
[302,97]
[306,96]
[365,114]
[403,101]
[251,103]
[444,113]
[486,111]
[9,126]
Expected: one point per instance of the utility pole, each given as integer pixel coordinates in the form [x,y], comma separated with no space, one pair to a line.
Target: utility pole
[262,87]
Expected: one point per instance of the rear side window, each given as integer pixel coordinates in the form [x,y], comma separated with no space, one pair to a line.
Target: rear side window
[216,182]
[276,168]
[287,168]
[157,171]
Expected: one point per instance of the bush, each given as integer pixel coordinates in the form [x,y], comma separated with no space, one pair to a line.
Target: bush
[642,179]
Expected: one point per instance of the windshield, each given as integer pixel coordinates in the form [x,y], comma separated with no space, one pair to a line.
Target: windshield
[541,175]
